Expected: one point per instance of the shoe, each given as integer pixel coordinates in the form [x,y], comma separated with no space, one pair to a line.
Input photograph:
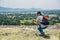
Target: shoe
[46,36]
[42,35]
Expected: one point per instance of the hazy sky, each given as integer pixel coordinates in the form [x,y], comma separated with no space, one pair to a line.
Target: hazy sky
[44,4]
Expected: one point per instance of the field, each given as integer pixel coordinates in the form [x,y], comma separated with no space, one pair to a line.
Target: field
[18,24]
[27,34]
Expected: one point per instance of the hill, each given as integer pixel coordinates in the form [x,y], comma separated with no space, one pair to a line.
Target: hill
[25,34]
[19,9]
[24,10]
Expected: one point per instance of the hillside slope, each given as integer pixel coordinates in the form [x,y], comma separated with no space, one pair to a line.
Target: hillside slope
[25,34]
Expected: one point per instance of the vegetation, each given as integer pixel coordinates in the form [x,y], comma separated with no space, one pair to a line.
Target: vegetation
[17,19]
[24,19]
[54,20]
[26,34]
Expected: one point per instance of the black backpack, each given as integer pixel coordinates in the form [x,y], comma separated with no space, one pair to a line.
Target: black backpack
[45,20]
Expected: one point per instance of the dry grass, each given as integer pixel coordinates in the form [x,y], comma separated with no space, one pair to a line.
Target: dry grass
[26,34]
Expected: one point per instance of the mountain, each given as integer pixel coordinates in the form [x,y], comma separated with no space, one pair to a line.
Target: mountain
[3,8]
[15,10]
[19,9]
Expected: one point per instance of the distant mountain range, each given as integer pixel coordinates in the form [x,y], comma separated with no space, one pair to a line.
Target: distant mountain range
[4,9]
[18,9]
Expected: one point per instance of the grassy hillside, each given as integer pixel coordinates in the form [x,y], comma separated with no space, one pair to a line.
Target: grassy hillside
[26,34]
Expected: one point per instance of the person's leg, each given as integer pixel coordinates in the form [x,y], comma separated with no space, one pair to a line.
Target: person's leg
[41,30]
[45,26]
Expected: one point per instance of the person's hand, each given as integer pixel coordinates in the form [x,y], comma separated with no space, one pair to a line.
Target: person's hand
[35,21]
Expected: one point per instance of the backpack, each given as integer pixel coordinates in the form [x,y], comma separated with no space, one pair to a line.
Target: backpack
[45,20]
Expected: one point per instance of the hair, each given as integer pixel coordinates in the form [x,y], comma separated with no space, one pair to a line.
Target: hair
[39,13]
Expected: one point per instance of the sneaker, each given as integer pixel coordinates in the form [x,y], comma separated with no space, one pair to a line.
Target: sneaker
[46,36]
[42,35]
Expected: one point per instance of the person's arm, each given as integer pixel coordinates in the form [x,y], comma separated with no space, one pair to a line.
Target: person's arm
[36,21]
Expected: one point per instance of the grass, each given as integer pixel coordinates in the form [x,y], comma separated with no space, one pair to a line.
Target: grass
[58,24]
[22,21]
[26,34]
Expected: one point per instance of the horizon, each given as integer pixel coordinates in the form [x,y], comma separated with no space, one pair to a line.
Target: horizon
[26,8]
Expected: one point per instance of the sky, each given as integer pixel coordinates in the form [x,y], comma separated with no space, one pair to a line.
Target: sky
[43,4]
